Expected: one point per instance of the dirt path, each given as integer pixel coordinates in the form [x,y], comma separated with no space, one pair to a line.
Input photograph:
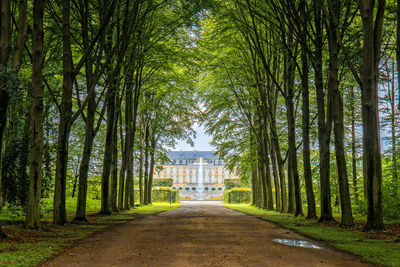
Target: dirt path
[198,234]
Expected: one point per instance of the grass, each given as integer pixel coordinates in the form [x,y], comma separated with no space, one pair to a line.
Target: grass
[370,246]
[29,248]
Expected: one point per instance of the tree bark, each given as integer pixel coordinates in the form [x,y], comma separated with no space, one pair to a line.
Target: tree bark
[338,128]
[311,209]
[146,164]
[121,182]
[276,176]
[108,151]
[324,129]
[64,127]
[372,40]
[353,144]
[141,195]
[32,219]
[151,174]
[5,31]
[22,33]
[114,165]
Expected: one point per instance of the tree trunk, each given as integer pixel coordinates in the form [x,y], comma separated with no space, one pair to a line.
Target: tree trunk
[276,177]
[5,31]
[261,165]
[280,162]
[338,128]
[121,182]
[80,214]
[353,144]
[151,174]
[141,169]
[32,219]
[324,130]
[128,144]
[392,93]
[372,40]
[295,180]
[64,126]
[311,209]
[295,205]
[22,33]
[146,165]
[398,45]
[114,165]
[108,151]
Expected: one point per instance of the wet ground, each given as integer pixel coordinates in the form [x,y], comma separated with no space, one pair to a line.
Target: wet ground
[200,233]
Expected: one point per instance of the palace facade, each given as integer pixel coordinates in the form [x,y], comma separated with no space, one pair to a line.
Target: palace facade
[195,169]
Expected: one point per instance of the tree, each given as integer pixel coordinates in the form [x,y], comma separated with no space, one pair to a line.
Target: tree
[36,135]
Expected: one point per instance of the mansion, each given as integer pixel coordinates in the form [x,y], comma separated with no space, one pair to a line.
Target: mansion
[195,169]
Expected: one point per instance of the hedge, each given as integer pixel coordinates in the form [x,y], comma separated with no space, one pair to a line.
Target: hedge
[237,195]
[160,194]
[231,183]
[164,194]
[163,182]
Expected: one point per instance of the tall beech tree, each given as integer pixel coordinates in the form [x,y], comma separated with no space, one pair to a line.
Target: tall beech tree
[36,131]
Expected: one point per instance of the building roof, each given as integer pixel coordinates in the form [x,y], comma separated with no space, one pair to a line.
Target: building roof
[191,155]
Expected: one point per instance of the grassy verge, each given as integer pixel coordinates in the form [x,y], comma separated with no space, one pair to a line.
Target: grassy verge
[380,248]
[29,248]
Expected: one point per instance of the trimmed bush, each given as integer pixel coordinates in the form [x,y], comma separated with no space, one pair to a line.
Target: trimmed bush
[163,182]
[206,188]
[213,188]
[180,188]
[219,188]
[237,195]
[194,188]
[164,194]
[187,188]
[231,183]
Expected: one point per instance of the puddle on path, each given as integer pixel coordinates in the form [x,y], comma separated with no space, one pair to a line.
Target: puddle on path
[296,243]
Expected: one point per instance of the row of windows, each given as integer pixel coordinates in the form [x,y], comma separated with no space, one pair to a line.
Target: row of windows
[184,161]
[193,170]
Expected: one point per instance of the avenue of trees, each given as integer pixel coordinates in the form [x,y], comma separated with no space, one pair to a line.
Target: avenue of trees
[87,89]
[301,94]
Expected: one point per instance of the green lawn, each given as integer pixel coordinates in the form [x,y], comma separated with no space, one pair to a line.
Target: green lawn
[382,251]
[29,248]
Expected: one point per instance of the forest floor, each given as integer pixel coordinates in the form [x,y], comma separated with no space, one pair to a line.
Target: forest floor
[199,233]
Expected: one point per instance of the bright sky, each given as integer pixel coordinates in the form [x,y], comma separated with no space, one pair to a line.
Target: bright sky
[201,143]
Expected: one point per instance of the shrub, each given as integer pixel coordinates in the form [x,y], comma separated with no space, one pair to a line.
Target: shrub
[163,182]
[231,183]
[219,188]
[213,188]
[164,194]
[180,188]
[194,188]
[237,195]
[206,188]
[187,188]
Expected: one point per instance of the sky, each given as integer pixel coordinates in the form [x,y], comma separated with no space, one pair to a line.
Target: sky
[201,143]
